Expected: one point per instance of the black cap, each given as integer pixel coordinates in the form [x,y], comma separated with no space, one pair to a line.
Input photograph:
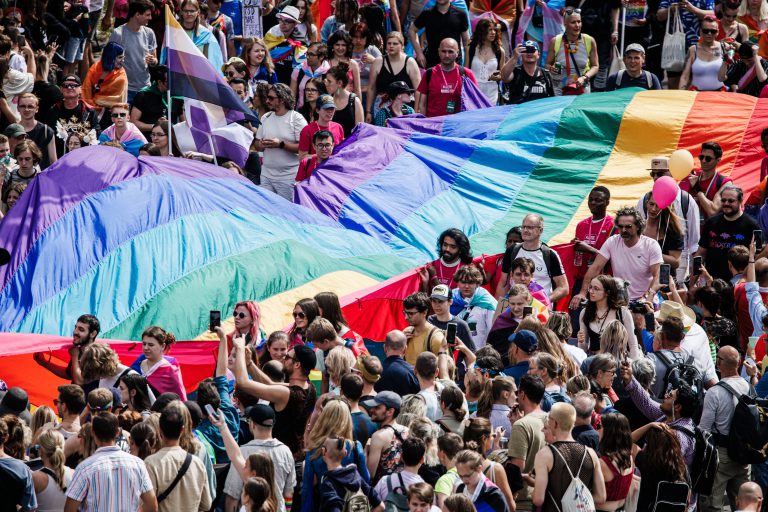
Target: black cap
[261,414]
[71,78]
[398,87]
[15,401]
[306,357]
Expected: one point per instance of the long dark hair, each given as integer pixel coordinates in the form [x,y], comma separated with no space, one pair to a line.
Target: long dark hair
[663,454]
[613,295]
[465,250]
[310,308]
[138,383]
[617,439]
[329,303]
[479,37]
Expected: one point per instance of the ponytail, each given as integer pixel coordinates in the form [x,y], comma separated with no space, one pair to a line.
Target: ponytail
[52,445]
[453,399]
[485,402]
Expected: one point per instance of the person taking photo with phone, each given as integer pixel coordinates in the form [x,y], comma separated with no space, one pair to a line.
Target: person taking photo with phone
[526,81]
[458,334]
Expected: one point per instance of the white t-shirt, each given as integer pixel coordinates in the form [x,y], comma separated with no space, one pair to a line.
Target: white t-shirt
[696,343]
[633,264]
[279,164]
[575,353]
[541,275]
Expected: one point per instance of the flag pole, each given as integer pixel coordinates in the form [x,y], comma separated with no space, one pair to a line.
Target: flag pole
[213,150]
[168,81]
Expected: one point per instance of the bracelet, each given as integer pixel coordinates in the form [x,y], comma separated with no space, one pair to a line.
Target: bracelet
[751,261]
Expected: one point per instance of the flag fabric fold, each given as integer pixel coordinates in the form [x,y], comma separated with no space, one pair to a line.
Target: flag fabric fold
[212,109]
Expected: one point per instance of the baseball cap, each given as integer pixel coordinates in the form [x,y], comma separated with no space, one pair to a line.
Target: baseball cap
[525,340]
[746,51]
[261,414]
[389,399]
[531,44]
[440,292]
[289,13]
[325,101]
[659,163]
[398,87]
[14,130]
[15,401]
[635,47]
[71,78]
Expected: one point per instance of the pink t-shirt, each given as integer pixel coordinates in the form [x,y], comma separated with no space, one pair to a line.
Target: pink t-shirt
[306,134]
[634,263]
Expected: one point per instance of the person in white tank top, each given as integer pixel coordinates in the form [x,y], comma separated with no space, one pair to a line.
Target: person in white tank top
[486,57]
[50,495]
[704,60]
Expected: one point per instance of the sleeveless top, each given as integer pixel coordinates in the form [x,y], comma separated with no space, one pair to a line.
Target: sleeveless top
[386,76]
[391,460]
[482,71]
[292,420]
[618,488]
[52,499]
[704,73]
[559,479]
[581,56]
[593,337]
[346,116]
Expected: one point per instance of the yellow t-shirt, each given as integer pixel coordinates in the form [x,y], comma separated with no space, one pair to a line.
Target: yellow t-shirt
[418,344]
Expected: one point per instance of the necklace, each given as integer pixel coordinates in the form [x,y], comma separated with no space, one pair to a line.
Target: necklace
[602,317]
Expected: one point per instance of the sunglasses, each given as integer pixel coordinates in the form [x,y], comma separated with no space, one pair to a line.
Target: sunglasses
[120,115]
[625,226]
[311,54]
[70,86]
[568,12]
[706,158]
[239,315]
[300,314]
[709,31]
[658,173]
[231,74]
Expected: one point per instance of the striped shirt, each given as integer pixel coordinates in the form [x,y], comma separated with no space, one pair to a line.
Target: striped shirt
[110,479]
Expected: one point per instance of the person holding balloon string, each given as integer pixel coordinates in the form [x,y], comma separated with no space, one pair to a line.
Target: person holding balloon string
[666,172]
[705,184]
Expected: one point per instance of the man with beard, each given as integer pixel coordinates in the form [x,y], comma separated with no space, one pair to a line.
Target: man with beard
[384,454]
[86,329]
[441,88]
[549,272]
[455,252]
[635,258]
[293,403]
[71,113]
[728,228]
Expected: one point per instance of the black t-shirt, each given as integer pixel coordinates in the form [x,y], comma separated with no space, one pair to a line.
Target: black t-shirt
[153,106]
[439,26]
[41,135]
[524,87]
[595,15]
[670,240]
[737,71]
[269,20]
[718,235]
[48,95]
[81,117]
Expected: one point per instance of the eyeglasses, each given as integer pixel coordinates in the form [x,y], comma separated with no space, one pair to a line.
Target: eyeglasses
[312,54]
[530,228]
[70,86]
[300,314]
[157,134]
[120,114]
[709,31]
[324,145]
[289,356]
[283,20]
[625,226]
[706,158]
[239,315]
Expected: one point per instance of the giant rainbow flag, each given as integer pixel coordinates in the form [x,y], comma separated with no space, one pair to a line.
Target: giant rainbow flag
[163,241]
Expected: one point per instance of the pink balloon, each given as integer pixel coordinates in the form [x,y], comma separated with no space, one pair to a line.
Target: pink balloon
[665,191]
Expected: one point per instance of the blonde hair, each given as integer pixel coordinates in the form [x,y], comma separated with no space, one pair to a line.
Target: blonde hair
[89,442]
[339,362]
[43,415]
[52,445]
[614,340]
[334,421]
[550,344]
[413,406]
[564,414]
[744,10]
[519,289]
[98,361]
[247,46]
[395,35]
[551,364]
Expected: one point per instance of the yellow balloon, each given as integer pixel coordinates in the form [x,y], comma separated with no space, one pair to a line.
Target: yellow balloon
[680,164]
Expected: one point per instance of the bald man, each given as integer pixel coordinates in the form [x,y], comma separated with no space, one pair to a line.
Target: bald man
[398,375]
[750,498]
[441,88]
[719,404]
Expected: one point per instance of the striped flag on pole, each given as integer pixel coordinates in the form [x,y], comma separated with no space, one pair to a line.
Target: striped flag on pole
[211,107]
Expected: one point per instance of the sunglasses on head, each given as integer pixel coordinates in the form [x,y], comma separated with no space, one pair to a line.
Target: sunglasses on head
[300,314]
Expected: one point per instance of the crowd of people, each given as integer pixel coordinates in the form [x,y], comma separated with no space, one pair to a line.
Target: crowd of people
[517,385]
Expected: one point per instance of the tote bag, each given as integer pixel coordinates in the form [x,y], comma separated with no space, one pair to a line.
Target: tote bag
[673,51]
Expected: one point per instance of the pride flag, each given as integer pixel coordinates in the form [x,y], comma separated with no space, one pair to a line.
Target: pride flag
[211,107]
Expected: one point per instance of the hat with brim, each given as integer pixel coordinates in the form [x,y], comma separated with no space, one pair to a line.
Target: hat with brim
[232,60]
[659,163]
[676,310]
[15,401]
[289,13]
[325,101]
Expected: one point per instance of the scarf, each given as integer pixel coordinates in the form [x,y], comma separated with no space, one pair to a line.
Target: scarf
[131,140]
[481,299]
[282,48]
[553,23]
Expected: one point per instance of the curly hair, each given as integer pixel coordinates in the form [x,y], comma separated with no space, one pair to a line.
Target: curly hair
[462,242]
[631,211]
[344,37]
[480,35]
[613,296]
[98,361]
[284,94]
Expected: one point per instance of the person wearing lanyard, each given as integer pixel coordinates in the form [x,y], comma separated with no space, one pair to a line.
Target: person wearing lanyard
[705,183]
[441,90]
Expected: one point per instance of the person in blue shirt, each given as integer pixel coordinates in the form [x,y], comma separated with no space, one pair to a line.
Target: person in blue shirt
[398,374]
[215,392]
[522,345]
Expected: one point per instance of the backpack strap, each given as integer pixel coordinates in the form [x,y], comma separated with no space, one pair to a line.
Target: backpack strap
[690,433]
[428,340]
[120,377]
[184,467]
[685,200]
[668,363]
[443,426]
[648,79]
[619,78]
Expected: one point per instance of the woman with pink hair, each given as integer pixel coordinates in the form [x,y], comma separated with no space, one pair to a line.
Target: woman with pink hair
[247,323]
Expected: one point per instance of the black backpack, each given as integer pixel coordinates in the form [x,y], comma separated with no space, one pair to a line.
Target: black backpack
[705,460]
[550,257]
[685,371]
[748,437]
[671,497]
